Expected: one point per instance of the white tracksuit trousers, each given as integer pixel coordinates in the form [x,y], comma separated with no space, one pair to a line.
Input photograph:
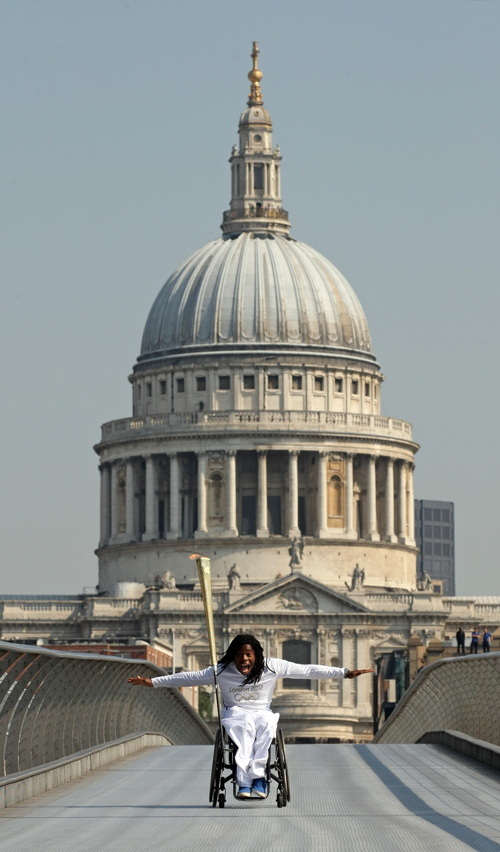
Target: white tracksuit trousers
[252,733]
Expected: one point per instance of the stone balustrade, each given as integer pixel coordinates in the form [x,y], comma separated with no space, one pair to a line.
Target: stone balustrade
[20,610]
[256,213]
[381,602]
[478,607]
[457,694]
[53,704]
[325,423]
[52,611]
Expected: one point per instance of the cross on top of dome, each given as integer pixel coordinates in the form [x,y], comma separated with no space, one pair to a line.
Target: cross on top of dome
[255,76]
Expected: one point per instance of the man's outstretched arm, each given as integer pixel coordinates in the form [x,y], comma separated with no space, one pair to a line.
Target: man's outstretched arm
[357,672]
[201,678]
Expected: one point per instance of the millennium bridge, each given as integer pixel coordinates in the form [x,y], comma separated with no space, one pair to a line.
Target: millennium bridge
[89,763]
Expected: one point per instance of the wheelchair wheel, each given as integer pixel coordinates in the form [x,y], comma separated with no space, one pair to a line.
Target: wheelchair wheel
[282,767]
[217,769]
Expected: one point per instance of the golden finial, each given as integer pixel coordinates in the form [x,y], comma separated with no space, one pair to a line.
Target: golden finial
[255,76]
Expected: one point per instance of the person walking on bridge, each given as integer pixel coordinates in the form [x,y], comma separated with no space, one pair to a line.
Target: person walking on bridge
[486,641]
[247,679]
[474,642]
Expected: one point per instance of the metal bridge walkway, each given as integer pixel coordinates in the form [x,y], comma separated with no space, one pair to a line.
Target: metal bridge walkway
[382,798]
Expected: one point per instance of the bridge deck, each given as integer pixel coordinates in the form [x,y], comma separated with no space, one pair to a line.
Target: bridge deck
[382,798]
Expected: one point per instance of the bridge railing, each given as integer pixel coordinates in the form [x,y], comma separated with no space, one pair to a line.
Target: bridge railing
[53,704]
[455,694]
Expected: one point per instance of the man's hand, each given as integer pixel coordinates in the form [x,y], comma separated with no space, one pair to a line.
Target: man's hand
[140,681]
[358,672]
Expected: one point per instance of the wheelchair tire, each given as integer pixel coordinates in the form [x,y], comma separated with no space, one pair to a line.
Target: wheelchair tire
[217,769]
[280,800]
[282,766]
[222,800]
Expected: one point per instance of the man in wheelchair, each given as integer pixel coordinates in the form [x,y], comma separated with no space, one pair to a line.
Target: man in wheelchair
[246,680]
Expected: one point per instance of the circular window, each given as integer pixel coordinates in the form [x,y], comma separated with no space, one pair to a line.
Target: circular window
[257,138]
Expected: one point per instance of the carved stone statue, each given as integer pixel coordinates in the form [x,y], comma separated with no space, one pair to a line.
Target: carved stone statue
[169,581]
[234,578]
[358,579]
[298,598]
[424,582]
[296,551]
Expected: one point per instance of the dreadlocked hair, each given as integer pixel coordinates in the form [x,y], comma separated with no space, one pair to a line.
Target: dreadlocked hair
[238,641]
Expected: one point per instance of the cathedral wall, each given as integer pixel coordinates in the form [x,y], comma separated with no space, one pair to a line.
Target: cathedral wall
[249,386]
[330,563]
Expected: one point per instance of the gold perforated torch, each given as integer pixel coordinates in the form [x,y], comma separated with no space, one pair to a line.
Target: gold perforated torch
[205,575]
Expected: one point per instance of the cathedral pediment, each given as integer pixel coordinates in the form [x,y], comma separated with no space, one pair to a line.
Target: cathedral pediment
[294,593]
[390,642]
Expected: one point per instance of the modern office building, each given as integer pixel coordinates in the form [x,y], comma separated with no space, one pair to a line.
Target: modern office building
[435,538]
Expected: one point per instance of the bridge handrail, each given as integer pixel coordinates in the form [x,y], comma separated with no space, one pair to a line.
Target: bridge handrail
[56,703]
[457,693]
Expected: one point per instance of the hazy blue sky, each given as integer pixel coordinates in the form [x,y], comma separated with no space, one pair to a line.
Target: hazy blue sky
[118,121]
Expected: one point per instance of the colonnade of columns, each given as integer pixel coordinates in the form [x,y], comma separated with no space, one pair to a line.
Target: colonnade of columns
[242,181]
[380,477]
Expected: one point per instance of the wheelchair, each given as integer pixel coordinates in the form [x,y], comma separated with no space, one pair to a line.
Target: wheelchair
[223,760]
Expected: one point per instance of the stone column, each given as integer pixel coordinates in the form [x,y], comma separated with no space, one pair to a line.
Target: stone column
[211,394]
[236,384]
[151,531]
[173,532]
[372,532]
[105,504]
[347,661]
[293,494]
[261,390]
[231,527]
[322,644]
[130,501]
[411,506]
[403,532]
[349,497]
[202,530]
[389,502]
[322,520]
[114,499]
[262,528]
[363,684]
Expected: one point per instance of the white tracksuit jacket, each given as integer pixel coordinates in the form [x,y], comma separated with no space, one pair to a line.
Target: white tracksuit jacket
[253,697]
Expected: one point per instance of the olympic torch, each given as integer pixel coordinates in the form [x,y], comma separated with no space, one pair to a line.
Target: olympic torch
[205,575]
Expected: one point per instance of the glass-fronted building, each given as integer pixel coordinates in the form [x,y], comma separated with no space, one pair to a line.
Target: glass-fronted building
[435,538]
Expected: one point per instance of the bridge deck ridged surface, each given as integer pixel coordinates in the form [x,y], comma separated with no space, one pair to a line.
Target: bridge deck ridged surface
[382,798]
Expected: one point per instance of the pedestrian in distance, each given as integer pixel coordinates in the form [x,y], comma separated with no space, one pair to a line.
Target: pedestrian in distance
[486,641]
[474,642]
[460,641]
[246,680]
